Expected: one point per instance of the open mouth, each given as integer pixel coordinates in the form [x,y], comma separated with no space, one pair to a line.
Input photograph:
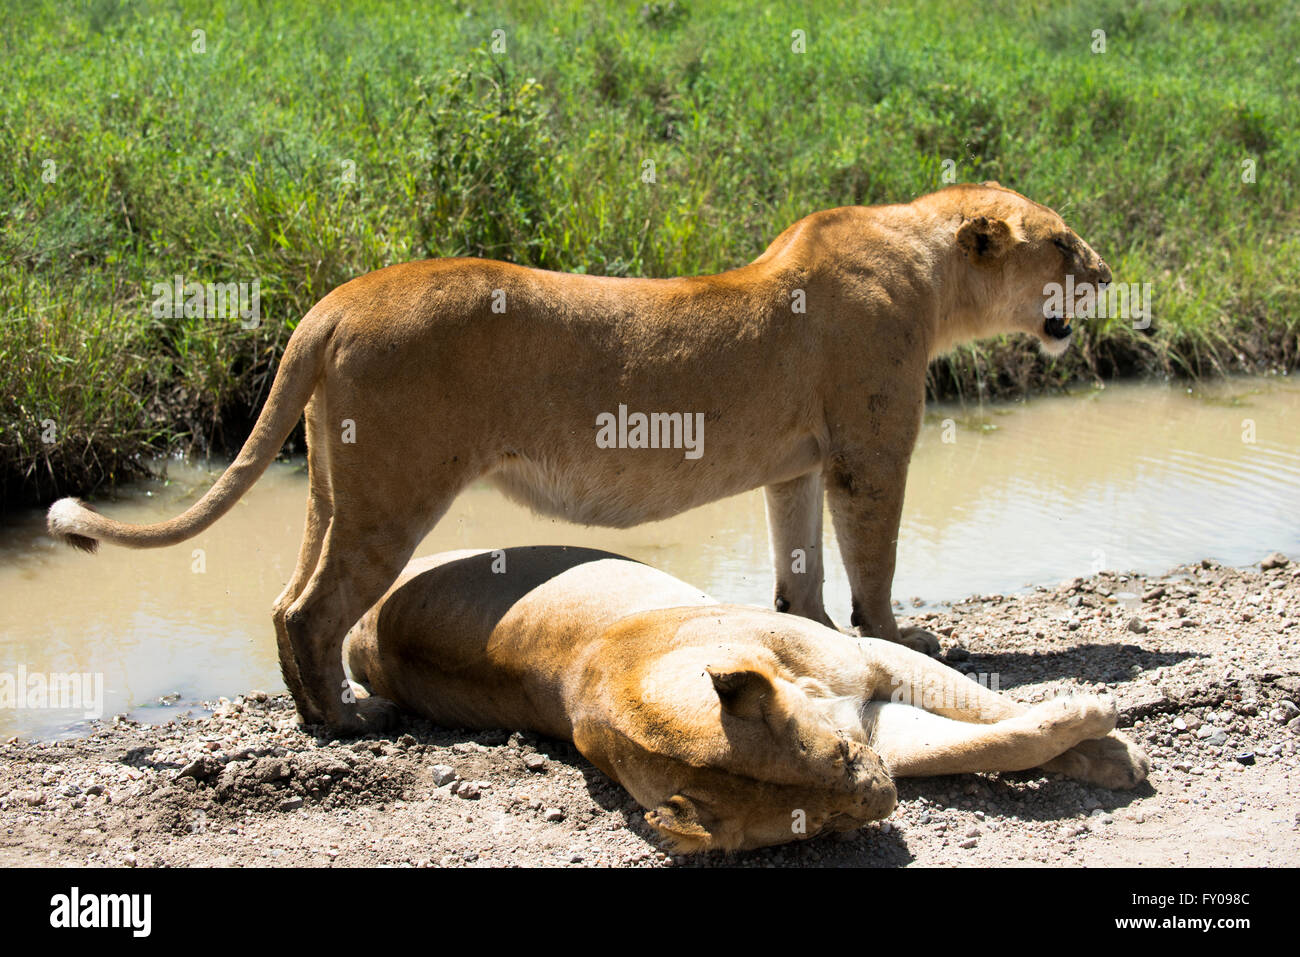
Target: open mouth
[1058,327]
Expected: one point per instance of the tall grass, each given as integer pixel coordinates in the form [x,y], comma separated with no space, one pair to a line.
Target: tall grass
[311,142]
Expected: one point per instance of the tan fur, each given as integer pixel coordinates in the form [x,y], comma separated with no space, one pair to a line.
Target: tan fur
[414,387]
[734,727]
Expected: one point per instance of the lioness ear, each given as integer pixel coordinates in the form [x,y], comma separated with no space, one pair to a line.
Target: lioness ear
[679,822]
[744,693]
[984,239]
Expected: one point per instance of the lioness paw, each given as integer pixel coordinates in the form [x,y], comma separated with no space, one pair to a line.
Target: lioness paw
[918,639]
[1114,762]
[370,715]
[1080,716]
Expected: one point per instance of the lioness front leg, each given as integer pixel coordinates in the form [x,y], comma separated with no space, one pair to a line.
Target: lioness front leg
[897,675]
[794,523]
[866,500]
[917,743]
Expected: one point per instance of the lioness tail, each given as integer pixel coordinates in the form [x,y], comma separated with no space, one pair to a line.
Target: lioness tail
[76,523]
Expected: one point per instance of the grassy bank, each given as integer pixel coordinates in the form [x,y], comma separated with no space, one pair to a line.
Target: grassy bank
[297,144]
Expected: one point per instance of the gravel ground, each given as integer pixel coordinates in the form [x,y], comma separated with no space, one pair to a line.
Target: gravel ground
[1205,662]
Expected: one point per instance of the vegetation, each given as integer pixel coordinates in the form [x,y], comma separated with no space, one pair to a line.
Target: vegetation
[299,144]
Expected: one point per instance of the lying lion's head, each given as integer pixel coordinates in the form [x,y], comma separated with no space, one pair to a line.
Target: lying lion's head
[729,753]
[1015,250]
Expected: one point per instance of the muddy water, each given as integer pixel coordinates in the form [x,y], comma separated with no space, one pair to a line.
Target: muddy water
[1138,477]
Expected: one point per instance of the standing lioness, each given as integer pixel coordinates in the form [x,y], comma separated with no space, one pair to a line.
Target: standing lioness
[807,367]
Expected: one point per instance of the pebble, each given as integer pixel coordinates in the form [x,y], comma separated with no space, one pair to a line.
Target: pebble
[291,804]
[553,814]
[1217,739]
[443,774]
[1275,560]
[535,762]
[1137,625]
[467,790]
[968,843]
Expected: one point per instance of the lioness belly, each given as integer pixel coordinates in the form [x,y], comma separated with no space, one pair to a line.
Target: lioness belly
[621,488]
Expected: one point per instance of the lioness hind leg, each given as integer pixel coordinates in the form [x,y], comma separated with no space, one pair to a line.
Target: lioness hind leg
[916,743]
[319,511]
[354,571]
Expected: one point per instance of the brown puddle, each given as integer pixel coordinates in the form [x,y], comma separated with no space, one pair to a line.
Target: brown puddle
[1134,476]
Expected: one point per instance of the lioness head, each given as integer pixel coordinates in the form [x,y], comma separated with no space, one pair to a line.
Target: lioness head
[729,753]
[1016,251]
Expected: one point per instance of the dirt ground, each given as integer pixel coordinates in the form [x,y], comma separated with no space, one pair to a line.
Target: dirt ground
[1204,661]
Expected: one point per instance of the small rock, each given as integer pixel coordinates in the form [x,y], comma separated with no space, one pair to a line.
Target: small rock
[443,774]
[553,814]
[291,804]
[201,768]
[467,790]
[535,762]
[1288,685]
[1137,625]
[1276,560]
[968,843]
[1217,739]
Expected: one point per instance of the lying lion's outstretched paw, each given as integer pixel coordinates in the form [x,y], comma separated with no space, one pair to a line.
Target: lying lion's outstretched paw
[1110,762]
[918,639]
[1077,717]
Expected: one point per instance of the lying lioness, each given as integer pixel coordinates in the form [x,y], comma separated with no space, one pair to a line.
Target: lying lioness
[803,371]
[735,727]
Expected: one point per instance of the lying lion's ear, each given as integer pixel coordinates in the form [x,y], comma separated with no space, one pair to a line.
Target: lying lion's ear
[984,239]
[744,693]
[680,823]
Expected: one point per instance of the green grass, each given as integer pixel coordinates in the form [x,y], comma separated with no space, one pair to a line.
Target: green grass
[232,165]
